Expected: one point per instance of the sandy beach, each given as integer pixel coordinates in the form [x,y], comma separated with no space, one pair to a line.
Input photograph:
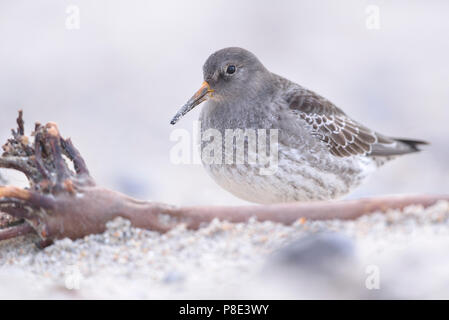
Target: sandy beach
[310,259]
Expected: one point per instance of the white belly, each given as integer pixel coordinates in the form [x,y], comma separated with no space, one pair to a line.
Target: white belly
[297,178]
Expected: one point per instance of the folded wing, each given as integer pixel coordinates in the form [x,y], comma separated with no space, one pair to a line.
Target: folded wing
[343,136]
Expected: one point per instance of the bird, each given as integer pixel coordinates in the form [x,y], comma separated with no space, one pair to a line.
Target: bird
[322,153]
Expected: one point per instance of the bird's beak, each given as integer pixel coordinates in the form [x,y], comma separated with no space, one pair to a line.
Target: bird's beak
[201,95]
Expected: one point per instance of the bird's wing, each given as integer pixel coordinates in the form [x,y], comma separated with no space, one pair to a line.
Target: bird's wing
[343,136]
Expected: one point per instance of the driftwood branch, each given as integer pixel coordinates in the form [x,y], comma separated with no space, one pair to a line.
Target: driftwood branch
[61,202]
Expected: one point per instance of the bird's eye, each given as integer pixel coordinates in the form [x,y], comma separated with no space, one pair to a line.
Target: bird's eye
[230,69]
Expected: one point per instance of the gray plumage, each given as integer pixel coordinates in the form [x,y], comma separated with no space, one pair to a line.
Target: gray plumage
[323,153]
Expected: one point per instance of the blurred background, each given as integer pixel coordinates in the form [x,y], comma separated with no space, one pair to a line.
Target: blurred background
[113,73]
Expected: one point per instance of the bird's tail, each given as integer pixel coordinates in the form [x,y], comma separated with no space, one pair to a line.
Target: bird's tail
[413,145]
[388,147]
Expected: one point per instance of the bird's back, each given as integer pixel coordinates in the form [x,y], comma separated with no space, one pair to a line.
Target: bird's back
[343,136]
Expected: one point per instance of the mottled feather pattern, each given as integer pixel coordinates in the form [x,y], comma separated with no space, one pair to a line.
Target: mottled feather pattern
[343,136]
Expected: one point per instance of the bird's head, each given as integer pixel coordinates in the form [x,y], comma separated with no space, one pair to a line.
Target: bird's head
[228,73]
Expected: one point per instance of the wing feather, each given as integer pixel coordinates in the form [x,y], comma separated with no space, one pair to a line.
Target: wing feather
[343,136]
